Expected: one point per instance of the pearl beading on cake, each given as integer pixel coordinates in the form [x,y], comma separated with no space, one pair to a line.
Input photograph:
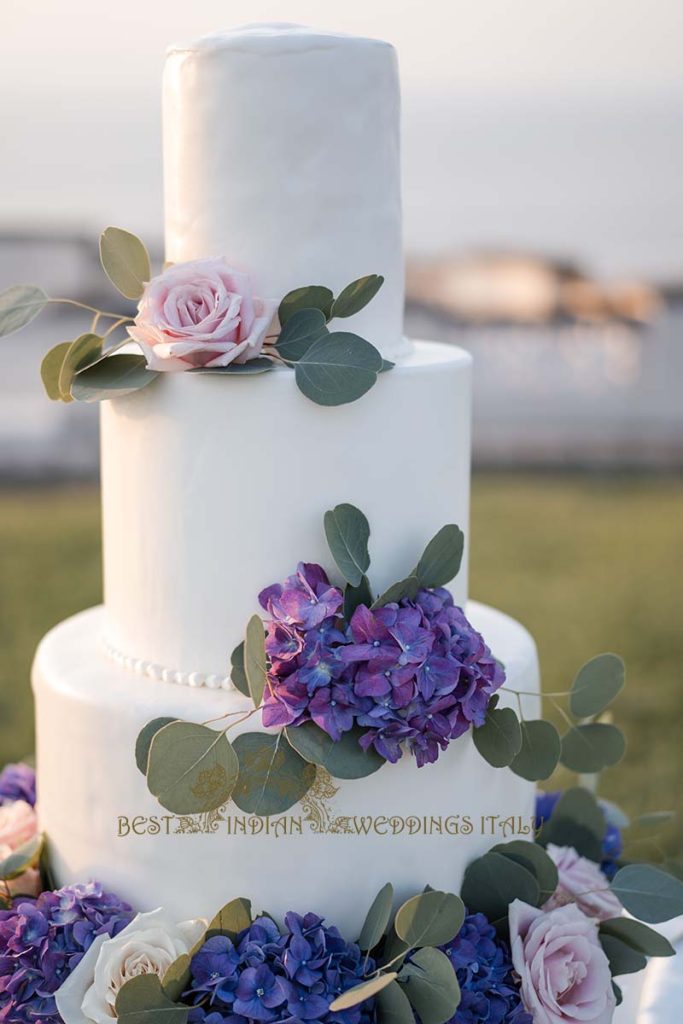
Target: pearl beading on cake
[162,674]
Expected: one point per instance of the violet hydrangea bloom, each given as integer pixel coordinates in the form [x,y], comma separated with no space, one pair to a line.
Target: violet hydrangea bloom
[43,940]
[267,975]
[18,782]
[488,985]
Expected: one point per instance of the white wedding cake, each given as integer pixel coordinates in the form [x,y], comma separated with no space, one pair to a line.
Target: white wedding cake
[281,154]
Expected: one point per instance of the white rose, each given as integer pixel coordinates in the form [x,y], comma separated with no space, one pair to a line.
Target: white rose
[148,945]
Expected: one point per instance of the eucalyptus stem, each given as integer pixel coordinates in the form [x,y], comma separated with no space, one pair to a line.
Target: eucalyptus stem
[90,309]
[244,718]
[229,714]
[535,693]
[115,326]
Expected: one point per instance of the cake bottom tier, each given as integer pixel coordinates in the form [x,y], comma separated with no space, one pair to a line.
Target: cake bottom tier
[330,854]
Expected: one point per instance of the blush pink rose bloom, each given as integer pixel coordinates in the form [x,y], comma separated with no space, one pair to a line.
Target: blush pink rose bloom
[200,313]
[19,824]
[564,973]
[582,882]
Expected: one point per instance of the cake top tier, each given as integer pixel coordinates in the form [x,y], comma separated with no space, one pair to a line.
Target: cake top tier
[282,155]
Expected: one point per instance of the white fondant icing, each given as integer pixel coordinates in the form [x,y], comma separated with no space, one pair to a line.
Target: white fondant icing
[89,713]
[281,154]
[214,488]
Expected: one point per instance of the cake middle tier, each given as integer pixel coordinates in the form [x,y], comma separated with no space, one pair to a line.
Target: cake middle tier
[215,488]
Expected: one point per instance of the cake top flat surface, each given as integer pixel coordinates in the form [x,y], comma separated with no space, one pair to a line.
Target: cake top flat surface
[274,38]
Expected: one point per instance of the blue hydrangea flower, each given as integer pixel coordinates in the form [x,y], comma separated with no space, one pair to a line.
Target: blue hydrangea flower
[43,940]
[267,975]
[488,984]
[612,842]
[18,782]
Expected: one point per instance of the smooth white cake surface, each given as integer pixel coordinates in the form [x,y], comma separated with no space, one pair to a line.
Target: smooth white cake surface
[281,154]
[88,780]
[215,488]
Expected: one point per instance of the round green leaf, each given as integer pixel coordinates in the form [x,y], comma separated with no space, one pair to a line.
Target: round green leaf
[20,860]
[377,919]
[354,597]
[499,739]
[142,1000]
[431,985]
[348,532]
[20,305]
[356,295]
[648,893]
[534,858]
[112,377]
[234,917]
[343,759]
[237,670]
[597,684]
[359,993]
[50,370]
[192,769]
[144,741]
[638,936]
[313,296]
[261,364]
[299,332]
[592,747]
[272,776]
[493,881]
[397,591]
[393,1006]
[125,261]
[430,919]
[577,821]
[255,662]
[622,958]
[540,751]
[84,351]
[338,369]
[442,557]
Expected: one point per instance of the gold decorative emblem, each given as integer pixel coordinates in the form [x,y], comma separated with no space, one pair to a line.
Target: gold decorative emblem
[316,806]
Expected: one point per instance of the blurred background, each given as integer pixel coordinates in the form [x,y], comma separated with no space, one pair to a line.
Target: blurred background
[543,159]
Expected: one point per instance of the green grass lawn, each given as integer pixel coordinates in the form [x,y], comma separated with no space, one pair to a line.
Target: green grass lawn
[587,565]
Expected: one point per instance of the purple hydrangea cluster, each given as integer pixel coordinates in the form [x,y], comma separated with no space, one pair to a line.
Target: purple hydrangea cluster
[488,985]
[412,673]
[612,844]
[18,782]
[43,940]
[266,975]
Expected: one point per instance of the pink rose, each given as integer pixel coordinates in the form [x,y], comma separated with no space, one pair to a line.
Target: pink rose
[18,824]
[582,882]
[563,970]
[200,313]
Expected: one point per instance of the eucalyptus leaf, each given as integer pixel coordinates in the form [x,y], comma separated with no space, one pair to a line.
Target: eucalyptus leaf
[623,959]
[431,985]
[577,820]
[596,685]
[84,351]
[540,751]
[234,918]
[534,858]
[144,741]
[648,893]
[299,332]
[430,919]
[655,819]
[255,662]
[638,936]
[112,377]
[237,670]
[386,366]
[343,759]
[125,261]
[19,305]
[407,588]
[272,776]
[50,370]
[499,739]
[360,993]
[592,747]
[261,364]
[348,532]
[142,1000]
[337,369]
[442,558]
[356,295]
[313,296]
[393,1006]
[493,881]
[20,860]
[377,919]
[354,597]
[192,769]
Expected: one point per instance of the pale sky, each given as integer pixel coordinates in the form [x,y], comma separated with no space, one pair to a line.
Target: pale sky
[552,124]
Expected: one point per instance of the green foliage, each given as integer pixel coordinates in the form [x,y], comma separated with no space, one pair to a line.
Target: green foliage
[344,759]
[576,821]
[499,739]
[393,1006]
[441,560]
[313,296]
[192,769]
[234,917]
[534,858]
[377,918]
[407,588]
[50,370]
[348,531]
[142,1000]
[272,776]
[431,985]
[430,919]
[112,377]
[20,860]
[125,261]
[144,741]
[299,332]
[337,369]
[638,936]
[20,305]
[237,670]
[590,748]
[260,364]
[356,296]
[622,958]
[648,893]
[540,751]
[356,596]
[493,881]
[596,685]
[359,993]
[255,662]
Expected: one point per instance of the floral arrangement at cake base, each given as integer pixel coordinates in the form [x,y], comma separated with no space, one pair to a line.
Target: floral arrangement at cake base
[537,935]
